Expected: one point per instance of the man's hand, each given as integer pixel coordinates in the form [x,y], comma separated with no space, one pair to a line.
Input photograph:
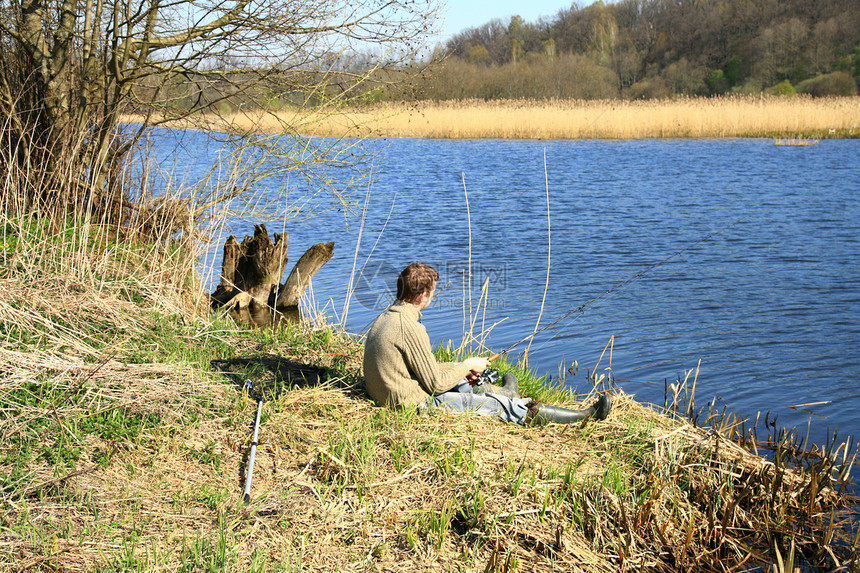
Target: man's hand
[476,364]
[472,378]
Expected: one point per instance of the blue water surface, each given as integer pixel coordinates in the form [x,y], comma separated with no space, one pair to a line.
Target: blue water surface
[762,292]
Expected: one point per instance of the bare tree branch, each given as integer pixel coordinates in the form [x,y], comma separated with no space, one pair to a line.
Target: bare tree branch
[83,64]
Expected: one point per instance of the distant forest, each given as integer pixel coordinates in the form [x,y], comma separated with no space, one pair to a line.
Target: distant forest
[653,49]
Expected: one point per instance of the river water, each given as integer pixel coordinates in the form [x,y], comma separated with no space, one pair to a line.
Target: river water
[762,293]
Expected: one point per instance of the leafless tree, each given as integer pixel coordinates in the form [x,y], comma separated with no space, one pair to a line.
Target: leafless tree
[71,69]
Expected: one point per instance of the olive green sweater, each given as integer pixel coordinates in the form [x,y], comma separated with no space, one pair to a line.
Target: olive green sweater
[399,366]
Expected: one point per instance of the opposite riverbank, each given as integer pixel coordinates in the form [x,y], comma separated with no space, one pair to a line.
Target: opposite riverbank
[798,118]
[122,448]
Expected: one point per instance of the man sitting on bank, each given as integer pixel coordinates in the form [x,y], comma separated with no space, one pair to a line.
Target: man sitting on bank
[401,371]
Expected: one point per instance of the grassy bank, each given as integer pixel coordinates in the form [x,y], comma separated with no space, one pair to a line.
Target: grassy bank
[123,449]
[760,116]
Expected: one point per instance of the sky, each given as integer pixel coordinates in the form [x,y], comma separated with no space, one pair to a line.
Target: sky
[457,15]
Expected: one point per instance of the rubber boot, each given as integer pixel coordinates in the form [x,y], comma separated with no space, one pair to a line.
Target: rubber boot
[545,413]
[510,387]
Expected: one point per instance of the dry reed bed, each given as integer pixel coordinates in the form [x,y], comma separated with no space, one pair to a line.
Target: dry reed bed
[759,116]
[342,485]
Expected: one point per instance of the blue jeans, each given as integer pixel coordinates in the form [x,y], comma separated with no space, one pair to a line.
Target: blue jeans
[462,399]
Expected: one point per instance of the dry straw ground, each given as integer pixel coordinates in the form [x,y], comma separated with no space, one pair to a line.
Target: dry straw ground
[121,449]
[759,116]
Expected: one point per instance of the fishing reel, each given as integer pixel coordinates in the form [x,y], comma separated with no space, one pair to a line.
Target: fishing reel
[488,376]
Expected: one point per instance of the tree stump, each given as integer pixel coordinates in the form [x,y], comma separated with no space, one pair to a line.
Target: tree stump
[250,278]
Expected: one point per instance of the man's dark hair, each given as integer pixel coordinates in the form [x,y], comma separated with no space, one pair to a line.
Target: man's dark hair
[415,279]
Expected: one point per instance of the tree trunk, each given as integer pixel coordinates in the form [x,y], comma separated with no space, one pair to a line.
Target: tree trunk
[250,277]
[301,275]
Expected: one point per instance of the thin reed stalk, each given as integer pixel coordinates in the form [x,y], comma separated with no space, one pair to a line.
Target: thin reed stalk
[548,258]
[350,286]
[468,278]
[602,378]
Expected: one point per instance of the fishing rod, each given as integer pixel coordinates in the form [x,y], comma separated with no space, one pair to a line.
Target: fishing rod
[247,497]
[581,307]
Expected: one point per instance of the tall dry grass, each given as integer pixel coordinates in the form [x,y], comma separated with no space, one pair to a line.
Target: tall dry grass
[139,243]
[737,116]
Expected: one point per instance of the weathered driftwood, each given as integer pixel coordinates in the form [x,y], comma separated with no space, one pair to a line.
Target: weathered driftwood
[250,277]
